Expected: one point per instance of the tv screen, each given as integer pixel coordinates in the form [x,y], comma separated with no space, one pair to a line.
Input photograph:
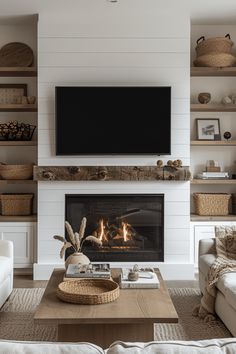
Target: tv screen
[113,120]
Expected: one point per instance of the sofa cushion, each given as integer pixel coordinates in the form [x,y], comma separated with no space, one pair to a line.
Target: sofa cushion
[212,346]
[205,262]
[227,285]
[14,347]
[5,267]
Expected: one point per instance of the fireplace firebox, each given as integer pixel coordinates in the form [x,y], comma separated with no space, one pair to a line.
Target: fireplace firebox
[130,227]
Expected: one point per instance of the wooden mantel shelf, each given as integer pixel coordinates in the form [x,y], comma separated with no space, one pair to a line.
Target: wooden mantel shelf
[111,173]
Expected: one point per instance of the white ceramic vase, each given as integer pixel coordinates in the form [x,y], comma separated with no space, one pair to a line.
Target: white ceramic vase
[77,258]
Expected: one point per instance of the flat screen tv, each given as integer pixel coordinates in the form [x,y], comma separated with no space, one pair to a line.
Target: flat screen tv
[113,120]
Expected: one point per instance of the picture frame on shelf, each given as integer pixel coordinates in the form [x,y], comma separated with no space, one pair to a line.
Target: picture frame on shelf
[12,93]
[208,129]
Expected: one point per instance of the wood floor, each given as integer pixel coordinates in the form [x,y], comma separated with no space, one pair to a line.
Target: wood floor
[26,281]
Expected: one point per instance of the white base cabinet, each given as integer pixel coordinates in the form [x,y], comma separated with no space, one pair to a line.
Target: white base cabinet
[23,236]
[202,230]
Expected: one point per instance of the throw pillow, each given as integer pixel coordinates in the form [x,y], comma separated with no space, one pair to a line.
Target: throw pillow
[226,241]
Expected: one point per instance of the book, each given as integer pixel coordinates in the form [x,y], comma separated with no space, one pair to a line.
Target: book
[75,271]
[146,280]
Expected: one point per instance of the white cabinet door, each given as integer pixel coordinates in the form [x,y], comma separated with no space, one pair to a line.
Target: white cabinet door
[22,237]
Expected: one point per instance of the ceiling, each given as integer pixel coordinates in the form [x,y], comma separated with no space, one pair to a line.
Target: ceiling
[200,11]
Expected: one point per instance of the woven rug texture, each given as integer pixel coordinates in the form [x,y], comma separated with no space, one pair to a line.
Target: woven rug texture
[16,319]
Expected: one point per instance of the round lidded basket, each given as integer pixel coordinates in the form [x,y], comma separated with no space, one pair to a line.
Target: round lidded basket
[88,291]
[16,172]
[214,45]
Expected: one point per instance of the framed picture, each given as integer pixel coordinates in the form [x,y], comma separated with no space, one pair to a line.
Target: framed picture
[208,129]
[12,93]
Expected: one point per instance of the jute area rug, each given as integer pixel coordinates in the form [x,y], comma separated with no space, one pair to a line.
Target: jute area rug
[16,319]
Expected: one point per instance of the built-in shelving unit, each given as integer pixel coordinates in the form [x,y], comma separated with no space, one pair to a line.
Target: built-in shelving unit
[205,71]
[229,217]
[18,143]
[214,181]
[17,181]
[18,108]
[213,143]
[18,71]
[198,107]
[27,218]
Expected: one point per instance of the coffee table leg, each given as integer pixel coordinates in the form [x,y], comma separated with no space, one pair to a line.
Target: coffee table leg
[105,334]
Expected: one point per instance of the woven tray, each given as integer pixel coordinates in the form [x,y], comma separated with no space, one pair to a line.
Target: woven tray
[88,291]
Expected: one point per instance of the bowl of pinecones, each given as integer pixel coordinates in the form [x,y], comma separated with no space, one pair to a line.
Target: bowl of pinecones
[15,130]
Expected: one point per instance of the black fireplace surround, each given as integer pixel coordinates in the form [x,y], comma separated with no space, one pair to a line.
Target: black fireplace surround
[130,226]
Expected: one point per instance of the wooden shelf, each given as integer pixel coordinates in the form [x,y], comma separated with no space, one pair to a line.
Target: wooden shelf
[18,108]
[18,143]
[30,218]
[214,181]
[17,181]
[213,143]
[198,107]
[204,71]
[194,217]
[18,71]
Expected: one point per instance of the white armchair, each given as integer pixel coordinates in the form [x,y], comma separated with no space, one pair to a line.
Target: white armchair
[6,270]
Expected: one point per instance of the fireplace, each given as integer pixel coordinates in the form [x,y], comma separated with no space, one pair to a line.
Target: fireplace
[130,227]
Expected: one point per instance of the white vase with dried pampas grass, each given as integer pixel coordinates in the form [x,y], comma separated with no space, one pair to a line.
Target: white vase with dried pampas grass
[76,241]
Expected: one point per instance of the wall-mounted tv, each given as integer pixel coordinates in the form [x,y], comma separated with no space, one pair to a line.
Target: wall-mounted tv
[113,120]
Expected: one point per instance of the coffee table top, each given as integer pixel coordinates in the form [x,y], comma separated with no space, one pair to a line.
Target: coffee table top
[132,306]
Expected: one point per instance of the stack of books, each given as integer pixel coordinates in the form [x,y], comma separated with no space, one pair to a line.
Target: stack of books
[75,271]
[146,280]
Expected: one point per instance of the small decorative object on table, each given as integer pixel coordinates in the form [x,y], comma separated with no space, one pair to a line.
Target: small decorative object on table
[76,241]
[212,166]
[147,278]
[227,100]
[204,97]
[227,135]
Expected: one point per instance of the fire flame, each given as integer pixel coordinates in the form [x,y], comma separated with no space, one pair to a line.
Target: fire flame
[104,230]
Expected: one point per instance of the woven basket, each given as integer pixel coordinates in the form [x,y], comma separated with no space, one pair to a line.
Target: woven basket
[88,291]
[215,60]
[214,45]
[211,203]
[16,171]
[16,204]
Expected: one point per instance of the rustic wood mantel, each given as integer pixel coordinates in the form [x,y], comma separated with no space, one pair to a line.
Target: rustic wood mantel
[111,173]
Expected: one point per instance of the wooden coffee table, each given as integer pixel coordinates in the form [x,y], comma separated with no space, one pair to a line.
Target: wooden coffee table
[130,318]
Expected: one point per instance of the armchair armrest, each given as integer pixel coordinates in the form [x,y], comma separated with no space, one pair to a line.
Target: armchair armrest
[207,246]
[6,248]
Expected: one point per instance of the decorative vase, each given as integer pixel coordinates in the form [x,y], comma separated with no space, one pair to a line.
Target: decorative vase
[204,97]
[77,258]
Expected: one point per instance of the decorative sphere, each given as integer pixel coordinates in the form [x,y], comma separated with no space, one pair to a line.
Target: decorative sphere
[204,97]
[227,135]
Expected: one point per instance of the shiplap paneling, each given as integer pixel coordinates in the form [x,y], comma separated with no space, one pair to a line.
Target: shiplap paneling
[149,50]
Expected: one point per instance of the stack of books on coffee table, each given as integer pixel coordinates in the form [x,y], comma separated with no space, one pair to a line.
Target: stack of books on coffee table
[75,271]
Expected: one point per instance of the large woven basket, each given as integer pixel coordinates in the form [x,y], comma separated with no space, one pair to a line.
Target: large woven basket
[16,171]
[16,204]
[214,45]
[88,291]
[219,60]
[211,203]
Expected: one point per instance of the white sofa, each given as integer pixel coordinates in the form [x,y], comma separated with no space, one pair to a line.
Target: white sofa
[225,305]
[6,270]
[213,346]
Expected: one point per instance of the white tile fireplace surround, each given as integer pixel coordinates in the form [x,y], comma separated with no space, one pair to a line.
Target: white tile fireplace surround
[51,216]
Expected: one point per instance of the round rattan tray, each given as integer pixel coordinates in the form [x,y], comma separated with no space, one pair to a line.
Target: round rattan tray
[88,291]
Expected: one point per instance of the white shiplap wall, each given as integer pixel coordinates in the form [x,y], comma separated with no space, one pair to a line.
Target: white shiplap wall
[149,49]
